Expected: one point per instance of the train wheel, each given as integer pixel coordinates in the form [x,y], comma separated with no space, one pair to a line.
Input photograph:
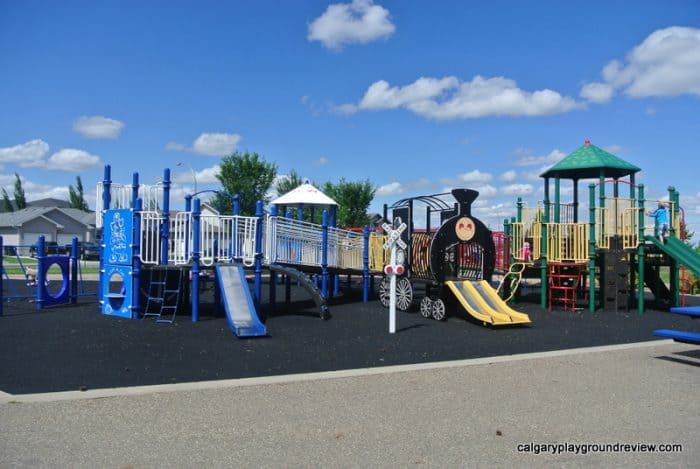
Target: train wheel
[384,292]
[426,307]
[404,294]
[439,310]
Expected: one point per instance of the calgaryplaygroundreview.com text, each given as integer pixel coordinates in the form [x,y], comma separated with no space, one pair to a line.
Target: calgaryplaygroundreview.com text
[591,448]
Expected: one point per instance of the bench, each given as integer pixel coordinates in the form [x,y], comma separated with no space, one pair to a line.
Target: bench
[679,336]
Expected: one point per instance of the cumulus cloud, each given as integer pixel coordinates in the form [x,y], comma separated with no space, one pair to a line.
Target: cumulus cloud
[449,98]
[597,92]
[393,188]
[210,144]
[666,63]
[508,176]
[204,176]
[518,189]
[475,176]
[358,22]
[26,154]
[72,160]
[98,127]
[549,159]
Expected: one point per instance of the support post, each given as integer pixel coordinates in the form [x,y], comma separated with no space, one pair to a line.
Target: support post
[591,248]
[196,212]
[324,254]
[136,260]
[165,224]
[257,282]
[40,273]
[557,200]
[365,264]
[675,270]
[640,251]
[73,270]
[106,200]
[134,189]
[287,280]
[543,248]
[273,275]
[188,210]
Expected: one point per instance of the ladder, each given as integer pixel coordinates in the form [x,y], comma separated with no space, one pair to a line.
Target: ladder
[163,294]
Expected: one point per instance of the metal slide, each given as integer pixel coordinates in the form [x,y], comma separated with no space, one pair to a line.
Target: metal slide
[238,303]
[495,302]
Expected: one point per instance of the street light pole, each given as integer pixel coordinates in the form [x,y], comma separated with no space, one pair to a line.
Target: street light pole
[194,175]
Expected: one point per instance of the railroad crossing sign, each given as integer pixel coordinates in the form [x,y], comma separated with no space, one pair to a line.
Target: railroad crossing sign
[392,269]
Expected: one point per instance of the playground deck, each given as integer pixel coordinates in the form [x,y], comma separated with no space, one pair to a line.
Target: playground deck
[75,347]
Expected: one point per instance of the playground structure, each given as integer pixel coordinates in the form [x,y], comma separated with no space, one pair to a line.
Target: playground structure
[151,262]
[455,259]
[608,259]
[36,282]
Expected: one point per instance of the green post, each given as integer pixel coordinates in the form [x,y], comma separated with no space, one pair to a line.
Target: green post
[543,255]
[557,200]
[508,245]
[675,270]
[640,251]
[520,209]
[591,248]
[601,204]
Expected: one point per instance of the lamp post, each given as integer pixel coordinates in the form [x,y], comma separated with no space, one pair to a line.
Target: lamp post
[194,175]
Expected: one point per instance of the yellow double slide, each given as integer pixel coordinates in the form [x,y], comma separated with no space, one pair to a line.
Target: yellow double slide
[483,303]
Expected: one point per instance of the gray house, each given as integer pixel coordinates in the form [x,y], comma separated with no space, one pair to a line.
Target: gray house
[23,227]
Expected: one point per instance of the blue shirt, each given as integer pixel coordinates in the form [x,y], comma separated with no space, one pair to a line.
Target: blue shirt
[661,215]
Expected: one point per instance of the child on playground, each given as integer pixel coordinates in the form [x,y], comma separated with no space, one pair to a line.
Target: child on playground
[661,217]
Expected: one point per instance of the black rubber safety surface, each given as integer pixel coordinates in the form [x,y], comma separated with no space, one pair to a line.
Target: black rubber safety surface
[77,348]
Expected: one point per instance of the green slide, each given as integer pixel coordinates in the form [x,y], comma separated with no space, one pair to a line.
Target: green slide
[679,251]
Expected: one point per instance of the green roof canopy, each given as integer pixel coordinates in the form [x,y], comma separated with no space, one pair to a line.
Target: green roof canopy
[589,162]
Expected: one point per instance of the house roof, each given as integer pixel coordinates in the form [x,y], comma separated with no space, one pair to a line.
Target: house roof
[306,194]
[590,161]
[20,217]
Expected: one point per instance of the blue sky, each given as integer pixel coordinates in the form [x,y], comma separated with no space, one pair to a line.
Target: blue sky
[418,97]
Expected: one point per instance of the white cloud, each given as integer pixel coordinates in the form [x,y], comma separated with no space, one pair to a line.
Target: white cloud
[72,160]
[597,92]
[666,63]
[508,176]
[210,144]
[347,23]
[98,127]
[26,154]
[549,159]
[321,161]
[35,191]
[614,149]
[393,188]
[449,98]
[518,189]
[204,176]
[475,176]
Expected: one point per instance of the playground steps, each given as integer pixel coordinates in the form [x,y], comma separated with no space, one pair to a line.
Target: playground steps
[162,296]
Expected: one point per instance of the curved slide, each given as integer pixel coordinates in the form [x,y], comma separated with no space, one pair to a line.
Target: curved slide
[238,302]
[307,284]
[476,299]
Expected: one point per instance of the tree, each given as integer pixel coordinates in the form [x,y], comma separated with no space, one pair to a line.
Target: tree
[288,183]
[20,200]
[353,200]
[6,203]
[248,175]
[76,197]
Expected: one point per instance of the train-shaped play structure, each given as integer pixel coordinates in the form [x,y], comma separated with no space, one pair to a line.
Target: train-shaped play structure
[456,258]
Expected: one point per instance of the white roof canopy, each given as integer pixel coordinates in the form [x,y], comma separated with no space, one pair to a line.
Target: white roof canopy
[306,194]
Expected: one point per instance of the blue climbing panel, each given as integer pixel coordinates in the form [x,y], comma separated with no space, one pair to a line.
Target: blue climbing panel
[118,271]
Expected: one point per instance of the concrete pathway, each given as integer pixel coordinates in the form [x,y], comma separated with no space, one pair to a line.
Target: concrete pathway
[451,414]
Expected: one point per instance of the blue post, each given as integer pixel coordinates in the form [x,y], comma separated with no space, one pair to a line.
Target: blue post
[188,209]
[165,224]
[74,271]
[106,201]
[287,280]
[257,283]
[134,189]
[195,260]
[273,275]
[136,261]
[365,264]
[336,277]
[237,257]
[324,254]
[40,273]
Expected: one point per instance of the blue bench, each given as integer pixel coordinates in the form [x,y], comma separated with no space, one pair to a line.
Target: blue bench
[679,336]
[687,310]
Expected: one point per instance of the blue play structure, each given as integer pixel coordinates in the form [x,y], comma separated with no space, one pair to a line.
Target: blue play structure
[148,254]
[41,294]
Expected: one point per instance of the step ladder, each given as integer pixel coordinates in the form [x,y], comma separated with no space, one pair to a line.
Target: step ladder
[163,294]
